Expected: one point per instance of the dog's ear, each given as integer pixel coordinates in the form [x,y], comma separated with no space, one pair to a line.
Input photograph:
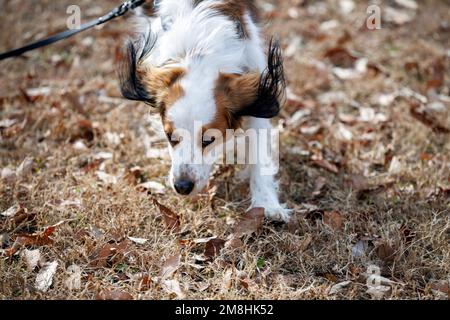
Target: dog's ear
[254,94]
[131,82]
[145,83]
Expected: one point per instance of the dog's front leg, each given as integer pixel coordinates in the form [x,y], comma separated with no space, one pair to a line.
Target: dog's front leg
[263,186]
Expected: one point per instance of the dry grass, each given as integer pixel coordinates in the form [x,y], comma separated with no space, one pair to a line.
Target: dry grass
[390,196]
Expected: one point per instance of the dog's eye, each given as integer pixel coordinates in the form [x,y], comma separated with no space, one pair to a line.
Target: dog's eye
[207,141]
[174,141]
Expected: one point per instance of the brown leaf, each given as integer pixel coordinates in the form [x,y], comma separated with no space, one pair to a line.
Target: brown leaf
[436,74]
[333,219]
[325,164]
[144,282]
[114,295]
[340,57]
[385,252]
[441,286]
[105,254]
[91,166]
[133,176]
[213,247]
[83,131]
[170,266]
[35,239]
[251,222]
[171,219]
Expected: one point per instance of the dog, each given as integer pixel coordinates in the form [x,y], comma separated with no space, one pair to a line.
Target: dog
[204,62]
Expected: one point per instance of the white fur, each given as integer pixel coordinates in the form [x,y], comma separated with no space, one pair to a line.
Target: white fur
[205,45]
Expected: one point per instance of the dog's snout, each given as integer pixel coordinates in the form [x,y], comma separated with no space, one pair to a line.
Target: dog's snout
[184,187]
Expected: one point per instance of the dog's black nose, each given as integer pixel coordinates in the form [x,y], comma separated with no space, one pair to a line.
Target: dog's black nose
[184,187]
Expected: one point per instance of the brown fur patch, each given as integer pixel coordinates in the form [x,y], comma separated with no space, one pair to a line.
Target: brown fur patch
[232,92]
[163,84]
[239,90]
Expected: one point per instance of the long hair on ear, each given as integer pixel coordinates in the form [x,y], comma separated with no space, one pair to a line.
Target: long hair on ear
[131,84]
[272,87]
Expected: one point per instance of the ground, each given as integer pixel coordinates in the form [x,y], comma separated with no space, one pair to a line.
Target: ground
[365,166]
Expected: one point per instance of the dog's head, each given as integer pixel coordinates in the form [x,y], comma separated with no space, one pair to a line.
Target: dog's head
[197,106]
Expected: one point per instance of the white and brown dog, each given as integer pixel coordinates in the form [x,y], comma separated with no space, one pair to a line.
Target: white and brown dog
[204,62]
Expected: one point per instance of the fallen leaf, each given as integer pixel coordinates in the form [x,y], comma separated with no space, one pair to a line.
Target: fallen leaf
[442,286]
[101,257]
[36,239]
[84,130]
[171,219]
[213,247]
[8,175]
[103,156]
[90,166]
[138,240]
[203,287]
[133,175]
[333,219]
[395,167]
[6,123]
[143,282]
[325,164]
[32,258]
[204,240]
[227,280]
[14,210]
[24,169]
[343,133]
[173,287]
[106,178]
[44,279]
[340,57]
[79,145]
[338,287]
[114,295]
[152,186]
[385,252]
[73,282]
[170,266]
[250,223]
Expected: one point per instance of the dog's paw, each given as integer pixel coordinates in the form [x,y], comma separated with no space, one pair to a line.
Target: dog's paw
[276,212]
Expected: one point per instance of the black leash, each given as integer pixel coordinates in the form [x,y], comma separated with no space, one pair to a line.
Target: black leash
[116,12]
